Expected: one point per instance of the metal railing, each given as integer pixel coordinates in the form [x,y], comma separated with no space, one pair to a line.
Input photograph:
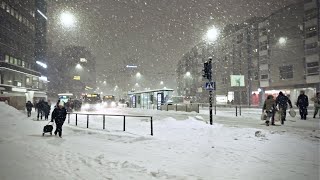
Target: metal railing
[104,119]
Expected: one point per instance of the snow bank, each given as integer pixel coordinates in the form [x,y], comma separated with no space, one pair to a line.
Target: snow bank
[182,148]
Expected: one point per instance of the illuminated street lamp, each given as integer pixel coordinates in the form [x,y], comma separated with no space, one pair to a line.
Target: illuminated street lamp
[161,82]
[138,75]
[212,34]
[282,40]
[67,19]
[78,66]
[188,74]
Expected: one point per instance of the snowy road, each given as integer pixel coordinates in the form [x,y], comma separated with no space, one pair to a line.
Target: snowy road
[183,147]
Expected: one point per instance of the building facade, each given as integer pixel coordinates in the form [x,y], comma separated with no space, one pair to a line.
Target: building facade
[273,54]
[74,71]
[19,74]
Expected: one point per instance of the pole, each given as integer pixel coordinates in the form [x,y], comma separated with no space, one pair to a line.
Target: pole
[151,126]
[210,92]
[104,121]
[76,119]
[210,106]
[87,120]
[124,123]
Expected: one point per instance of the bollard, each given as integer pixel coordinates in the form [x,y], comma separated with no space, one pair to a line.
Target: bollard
[240,110]
[198,108]
[124,123]
[68,118]
[104,119]
[87,120]
[76,119]
[151,126]
[236,110]
[176,107]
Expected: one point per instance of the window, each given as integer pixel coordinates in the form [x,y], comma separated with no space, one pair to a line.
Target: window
[312,68]
[12,12]
[263,45]
[22,64]
[19,62]
[311,29]
[286,72]
[264,76]
[3,5]
[310,14]
[311,45]
[11,60]
[256,76]
[7,58]
[311,34]
[263,32]
[8,9]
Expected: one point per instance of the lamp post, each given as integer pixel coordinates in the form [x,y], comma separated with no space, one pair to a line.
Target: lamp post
[211,37]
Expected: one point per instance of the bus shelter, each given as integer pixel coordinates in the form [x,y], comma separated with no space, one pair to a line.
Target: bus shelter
[150,99]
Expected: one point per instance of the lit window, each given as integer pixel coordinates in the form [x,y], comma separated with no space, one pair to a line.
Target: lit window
[7,58]
[8,9]
[3,5]
[22,64]
[11,60]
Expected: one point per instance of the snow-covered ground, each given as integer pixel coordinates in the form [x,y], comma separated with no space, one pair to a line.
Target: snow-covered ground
[184,146]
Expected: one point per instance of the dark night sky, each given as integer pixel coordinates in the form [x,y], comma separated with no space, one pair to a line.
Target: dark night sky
[152,33]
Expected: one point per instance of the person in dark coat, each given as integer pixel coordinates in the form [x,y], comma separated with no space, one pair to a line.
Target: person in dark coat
[316,101]
[59,115]
[46,110]
[40,106]
[269,107]
[282,102]
[302,104]
[29,106]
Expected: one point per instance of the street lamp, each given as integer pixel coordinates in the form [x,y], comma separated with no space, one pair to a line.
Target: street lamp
[138,75]
[78,66]
[67,19]
[161,82]
[282,40]
[212,34]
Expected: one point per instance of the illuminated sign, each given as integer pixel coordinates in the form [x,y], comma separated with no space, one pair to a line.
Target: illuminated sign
[76,78]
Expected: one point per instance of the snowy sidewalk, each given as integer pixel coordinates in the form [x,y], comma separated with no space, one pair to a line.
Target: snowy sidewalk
[182,148]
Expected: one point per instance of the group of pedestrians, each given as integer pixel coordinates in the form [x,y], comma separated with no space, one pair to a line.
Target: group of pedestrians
[43,108]
[280,105]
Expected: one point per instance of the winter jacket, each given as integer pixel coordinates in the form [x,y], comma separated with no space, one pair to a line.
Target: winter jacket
[46,108]
[59,115]
[269,105]
[316,101]
[283,101]
[29,106]
[302,101]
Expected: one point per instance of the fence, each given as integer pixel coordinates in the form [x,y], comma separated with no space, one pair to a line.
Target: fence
[104,119]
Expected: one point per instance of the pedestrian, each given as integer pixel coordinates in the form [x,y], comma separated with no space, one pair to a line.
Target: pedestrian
[282,102]
[269,107]
[46,110]
[316,101]
[302,104]
[59,115]
[29,106]
[40,106]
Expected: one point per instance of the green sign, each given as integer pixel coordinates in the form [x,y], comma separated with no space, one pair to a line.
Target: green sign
[237,80]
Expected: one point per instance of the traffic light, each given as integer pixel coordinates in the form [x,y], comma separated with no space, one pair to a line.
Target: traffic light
[207,70]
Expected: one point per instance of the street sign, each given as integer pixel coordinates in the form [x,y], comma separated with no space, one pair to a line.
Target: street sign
[237,80]
[211,86]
